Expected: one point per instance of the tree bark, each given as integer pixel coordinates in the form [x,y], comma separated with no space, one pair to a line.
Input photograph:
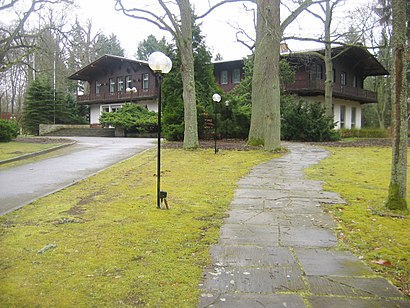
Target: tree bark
[396,199]
[265,120]
[328,63]
[184,42]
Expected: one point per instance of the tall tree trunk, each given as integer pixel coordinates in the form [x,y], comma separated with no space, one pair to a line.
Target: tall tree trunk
[398,182]
[328,63]
[265,119]
[184,41]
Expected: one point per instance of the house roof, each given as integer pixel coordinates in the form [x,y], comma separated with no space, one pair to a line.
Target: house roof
[103,65]
[362,57]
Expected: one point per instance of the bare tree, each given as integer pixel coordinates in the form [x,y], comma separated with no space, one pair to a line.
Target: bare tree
[176,17]
[265,119]
[15,36]
[396,199]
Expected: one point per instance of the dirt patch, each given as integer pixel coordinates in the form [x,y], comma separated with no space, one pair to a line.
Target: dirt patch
[232,144]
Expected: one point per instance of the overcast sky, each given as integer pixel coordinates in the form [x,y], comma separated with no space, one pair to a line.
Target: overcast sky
[218,27]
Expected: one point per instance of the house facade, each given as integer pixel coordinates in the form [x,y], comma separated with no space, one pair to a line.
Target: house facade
[111,81]
[350,68]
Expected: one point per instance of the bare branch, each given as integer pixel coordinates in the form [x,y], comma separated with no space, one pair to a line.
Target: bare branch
[305,4]
[219,4]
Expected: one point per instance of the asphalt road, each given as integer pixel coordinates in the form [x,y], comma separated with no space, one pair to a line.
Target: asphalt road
[26,183]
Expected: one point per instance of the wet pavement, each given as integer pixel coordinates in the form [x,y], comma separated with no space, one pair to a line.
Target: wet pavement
[278,248]
[25,183]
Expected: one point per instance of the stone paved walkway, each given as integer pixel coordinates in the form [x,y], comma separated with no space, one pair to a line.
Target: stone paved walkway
[277,248]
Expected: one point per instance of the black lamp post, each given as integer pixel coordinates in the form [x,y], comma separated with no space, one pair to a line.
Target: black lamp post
[159,64]
[216,98]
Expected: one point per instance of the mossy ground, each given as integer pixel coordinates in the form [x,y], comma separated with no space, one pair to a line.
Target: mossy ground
[14,149]
[103,243]
[381,237]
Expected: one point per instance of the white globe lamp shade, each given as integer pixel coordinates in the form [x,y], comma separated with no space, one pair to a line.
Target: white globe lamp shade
[159,62]
[216,97]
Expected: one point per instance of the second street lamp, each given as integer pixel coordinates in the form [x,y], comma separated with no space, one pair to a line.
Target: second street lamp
[216,98]
[160,64]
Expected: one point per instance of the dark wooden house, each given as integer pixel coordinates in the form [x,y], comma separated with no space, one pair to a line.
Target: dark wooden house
[350,68]
[111,81]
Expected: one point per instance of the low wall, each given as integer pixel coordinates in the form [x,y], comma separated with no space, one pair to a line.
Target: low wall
[45,129]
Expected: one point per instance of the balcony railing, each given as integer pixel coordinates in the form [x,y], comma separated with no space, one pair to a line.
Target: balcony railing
[312,87]
[116,97]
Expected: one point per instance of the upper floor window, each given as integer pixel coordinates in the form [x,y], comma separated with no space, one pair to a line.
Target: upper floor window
[224,77]
[145,81]
[343,78]
[354,81]
[120,84]
[317,72]
[112,85]
[97,87]
[236,75]
[128,82]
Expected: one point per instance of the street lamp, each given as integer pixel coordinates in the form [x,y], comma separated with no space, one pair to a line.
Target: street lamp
[159,64]
[216,98]
[131,91]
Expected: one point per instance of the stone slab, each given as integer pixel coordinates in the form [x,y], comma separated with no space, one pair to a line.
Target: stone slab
[352,286]
[252,256]
[245,300]
[256,217]
[324,262]
[244,234]
[254,280]
[343,302]
[307,237]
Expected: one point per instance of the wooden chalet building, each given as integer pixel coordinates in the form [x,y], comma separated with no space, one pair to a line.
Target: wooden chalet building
[350,69]
[111,81]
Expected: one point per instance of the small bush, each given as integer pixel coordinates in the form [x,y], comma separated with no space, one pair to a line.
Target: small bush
[305,121]
[364,133]
[8,130]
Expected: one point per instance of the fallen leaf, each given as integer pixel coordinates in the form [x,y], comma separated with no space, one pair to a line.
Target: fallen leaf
[382,262]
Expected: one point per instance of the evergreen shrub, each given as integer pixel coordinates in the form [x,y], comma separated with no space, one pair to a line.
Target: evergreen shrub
[306,121]
[8,130]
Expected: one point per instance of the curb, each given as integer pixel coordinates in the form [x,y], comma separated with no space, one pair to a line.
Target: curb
[25,156]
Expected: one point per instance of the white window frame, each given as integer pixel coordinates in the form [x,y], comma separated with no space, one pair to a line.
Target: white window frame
[145,81]
[98,86]
[236,75]
[120,84]
[112,85]
[224,77]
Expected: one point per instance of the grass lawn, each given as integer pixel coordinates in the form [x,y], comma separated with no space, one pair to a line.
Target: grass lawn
[14,149]
[103,243]
[380,237]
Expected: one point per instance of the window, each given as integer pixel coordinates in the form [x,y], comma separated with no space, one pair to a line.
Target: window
[317,72]
[355,81]
[342,116]
[353,117]
[112,85]
[115,108]
[145,81]
[224,77]
[236,75]
[120,84]
[98,87]
[343,77]
[128,82]
[110,108]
